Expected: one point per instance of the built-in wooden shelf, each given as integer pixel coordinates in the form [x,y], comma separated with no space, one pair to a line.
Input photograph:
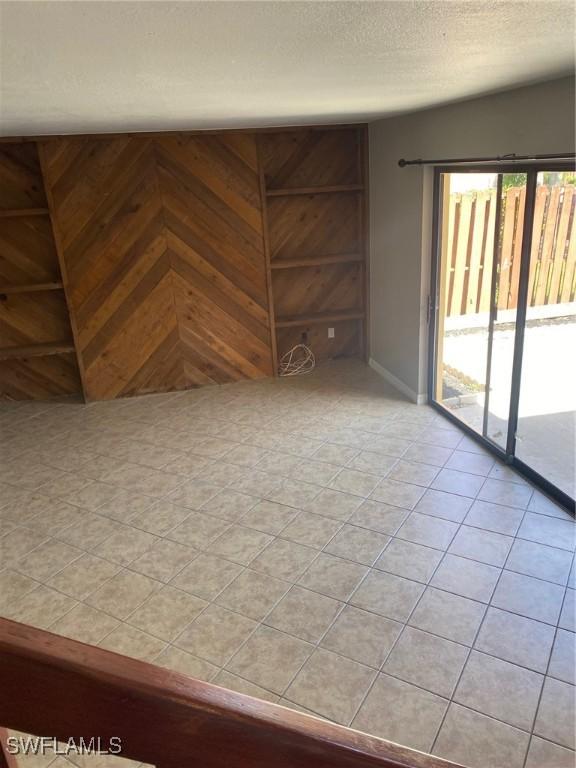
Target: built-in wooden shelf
[316,261]
[314,190]
[14,212]
[31,288]
[36,350]
[320,317]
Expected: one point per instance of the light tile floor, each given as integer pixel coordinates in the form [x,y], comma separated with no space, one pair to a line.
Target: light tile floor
[317,542]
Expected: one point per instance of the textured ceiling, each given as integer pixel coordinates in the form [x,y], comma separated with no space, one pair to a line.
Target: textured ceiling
[104,66]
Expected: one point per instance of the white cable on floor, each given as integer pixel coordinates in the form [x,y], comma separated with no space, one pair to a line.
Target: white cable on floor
[294,364]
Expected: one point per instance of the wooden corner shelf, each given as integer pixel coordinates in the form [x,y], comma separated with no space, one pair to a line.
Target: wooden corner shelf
[317,261]
[320,317]
[36,350]
[8,213]
[314,190]
[30,288]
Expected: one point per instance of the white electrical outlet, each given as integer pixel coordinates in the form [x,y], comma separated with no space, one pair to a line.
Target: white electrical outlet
[330,333]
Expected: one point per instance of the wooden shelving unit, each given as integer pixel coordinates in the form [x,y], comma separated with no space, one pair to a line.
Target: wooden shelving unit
[10,213]
[317,261]
[319,317]
[7,290]
[314,210]
[338,188]
[36,350]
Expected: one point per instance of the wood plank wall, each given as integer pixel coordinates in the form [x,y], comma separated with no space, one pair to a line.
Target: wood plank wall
[37,358]
[188,258]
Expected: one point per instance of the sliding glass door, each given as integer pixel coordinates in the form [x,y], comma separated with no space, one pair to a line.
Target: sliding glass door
[504,313]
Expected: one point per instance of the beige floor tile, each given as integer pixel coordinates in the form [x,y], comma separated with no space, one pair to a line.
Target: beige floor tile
[83,576]
[220,473]
[482,684]
[229,505]
[331,685]
[256,483]
[180,661]
[216,635]
[122,594]
[474,740]
[494,517]
[379,517]
[362,636]
[426,530]
[563,659]
[545,506]
[516,639]
[125,505]
[304,614]
[484,546]
[502,492]
[240,544]
[355,482]
[395,447]
[475,463]
[373,463]
[238,684]
[357,544]
[441,436]
[129,641]
[462,483]
[398,494]
[311,530]
[187,465]
[253,594]
[92,496]
[533,598]
[335,454]
[270,659]
[333,576]
[540,561]
[40,608]
[413,472]
[387,595]
[212,447]
[401,713]
[294,493]
[160,518]
[567,616]
[268,517]
[556,713]
[543,753]
[317,472]
[166,613]
[426,660]
[428,454]
[15,544]
[13,586]
[194,494]
[284,560]
[281,464]
[466,578]
[125,545]
[548,530]
[335,504]
[450,616]
[412,561]
[89,531]
[52,516]
[85,624]
[163,560]
[448,506]
[206,576]
[67,486]
[198,530]
[47,559]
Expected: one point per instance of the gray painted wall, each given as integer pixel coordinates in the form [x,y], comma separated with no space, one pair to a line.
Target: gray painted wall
[535,119]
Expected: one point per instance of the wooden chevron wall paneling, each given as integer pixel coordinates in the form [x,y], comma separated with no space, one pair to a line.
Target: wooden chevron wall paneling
[162,241]
[37,359]
[316,213]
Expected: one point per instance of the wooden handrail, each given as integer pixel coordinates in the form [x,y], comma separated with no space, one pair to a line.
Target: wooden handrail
[54,686]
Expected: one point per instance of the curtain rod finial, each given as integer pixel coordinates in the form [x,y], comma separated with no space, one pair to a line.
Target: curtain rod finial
[401,162]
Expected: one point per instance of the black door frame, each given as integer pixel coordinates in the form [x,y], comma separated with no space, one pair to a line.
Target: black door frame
[506,455]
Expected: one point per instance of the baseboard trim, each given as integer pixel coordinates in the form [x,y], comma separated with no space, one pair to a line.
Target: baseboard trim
[397,383]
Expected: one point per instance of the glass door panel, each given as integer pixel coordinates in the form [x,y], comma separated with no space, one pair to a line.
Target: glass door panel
[545,435]
[480,244]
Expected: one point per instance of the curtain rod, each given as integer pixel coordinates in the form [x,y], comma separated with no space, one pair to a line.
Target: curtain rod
[497,159]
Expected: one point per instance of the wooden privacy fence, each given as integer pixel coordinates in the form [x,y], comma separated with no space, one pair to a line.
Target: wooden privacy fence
[471,222]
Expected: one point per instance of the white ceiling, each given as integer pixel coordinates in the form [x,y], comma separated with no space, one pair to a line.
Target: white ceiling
[69,67]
